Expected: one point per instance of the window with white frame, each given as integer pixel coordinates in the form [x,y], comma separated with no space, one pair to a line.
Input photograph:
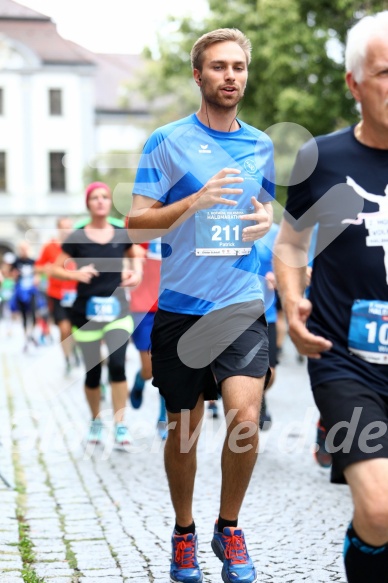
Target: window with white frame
[3,172]
[57,172]
[55,101]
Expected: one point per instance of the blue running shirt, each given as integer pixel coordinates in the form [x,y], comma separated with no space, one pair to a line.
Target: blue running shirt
[177,160]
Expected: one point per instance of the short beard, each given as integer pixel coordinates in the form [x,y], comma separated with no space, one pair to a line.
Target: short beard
[217,104]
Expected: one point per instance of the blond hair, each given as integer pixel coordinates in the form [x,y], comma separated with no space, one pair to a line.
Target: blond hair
[216,36]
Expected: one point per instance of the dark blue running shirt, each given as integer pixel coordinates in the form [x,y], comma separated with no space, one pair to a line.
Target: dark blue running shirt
[348,265]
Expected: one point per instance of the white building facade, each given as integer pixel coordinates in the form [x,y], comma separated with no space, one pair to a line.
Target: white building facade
[59,109]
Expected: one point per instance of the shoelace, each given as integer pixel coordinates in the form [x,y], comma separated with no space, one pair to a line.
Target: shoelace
[235,549]
[185,554]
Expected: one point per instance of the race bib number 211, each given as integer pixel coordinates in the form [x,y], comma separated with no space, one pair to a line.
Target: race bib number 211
[219,232]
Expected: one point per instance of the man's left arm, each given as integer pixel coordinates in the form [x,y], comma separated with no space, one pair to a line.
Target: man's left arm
[263,216]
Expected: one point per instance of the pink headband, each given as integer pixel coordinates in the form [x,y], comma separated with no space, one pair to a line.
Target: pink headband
[89,189]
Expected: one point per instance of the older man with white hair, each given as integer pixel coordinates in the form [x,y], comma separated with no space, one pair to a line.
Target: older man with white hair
[343,326]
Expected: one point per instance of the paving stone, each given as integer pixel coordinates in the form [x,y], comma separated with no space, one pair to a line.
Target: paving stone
[85,536]
[98,579]
[10,564]
[8,538]
[52,570]
[107,573]
[92,563]
[42,545]
[49,557]
[90,547]
[7,549]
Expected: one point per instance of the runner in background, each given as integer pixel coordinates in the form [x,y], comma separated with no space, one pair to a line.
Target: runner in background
[60,293]
[321,453]
[100,311]
[265,253]
[25,292]
[104,384]
[143,305]
[7,289]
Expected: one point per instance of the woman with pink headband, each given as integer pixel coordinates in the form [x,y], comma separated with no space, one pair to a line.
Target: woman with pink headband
[100,311]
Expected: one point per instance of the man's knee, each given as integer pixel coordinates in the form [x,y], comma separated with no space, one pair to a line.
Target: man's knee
[243,418]
[372,513]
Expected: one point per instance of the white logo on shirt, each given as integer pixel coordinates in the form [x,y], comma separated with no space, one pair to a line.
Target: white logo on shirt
[204,149]
[250,166]
[375,222]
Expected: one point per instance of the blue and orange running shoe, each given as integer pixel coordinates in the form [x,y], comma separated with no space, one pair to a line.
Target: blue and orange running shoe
[184,564]
[321,453]
[229,546]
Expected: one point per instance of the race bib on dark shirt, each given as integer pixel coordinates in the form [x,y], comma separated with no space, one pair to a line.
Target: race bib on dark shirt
[101,309]
[368,331]
[68,298]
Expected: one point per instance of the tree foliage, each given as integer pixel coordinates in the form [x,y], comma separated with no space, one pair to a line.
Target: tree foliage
[297,70]
[296,74]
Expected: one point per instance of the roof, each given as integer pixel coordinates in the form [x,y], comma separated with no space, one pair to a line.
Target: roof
[39,33]
[15,11]
[112,72]
[42,38]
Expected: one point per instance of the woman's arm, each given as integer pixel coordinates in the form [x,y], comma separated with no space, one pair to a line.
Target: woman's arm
[83,275]
[133,275]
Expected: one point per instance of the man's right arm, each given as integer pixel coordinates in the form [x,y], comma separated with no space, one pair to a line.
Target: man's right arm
[149,219]
[290,262]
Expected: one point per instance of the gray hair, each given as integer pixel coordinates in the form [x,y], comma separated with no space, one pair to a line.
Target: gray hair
[358,39]
[216,36]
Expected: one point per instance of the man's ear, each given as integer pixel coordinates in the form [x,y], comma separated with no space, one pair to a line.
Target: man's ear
[197,77]
[353,86]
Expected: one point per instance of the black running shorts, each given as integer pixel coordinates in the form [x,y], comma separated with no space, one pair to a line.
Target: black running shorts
[194,354]
[355,418]
[273,349]
[58,312]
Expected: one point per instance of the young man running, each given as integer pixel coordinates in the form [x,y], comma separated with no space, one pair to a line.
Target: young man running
[205,184]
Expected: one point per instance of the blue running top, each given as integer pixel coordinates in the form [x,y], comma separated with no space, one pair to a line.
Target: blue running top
[177,161]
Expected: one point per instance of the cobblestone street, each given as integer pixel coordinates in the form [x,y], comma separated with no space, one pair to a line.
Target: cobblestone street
[96,516]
